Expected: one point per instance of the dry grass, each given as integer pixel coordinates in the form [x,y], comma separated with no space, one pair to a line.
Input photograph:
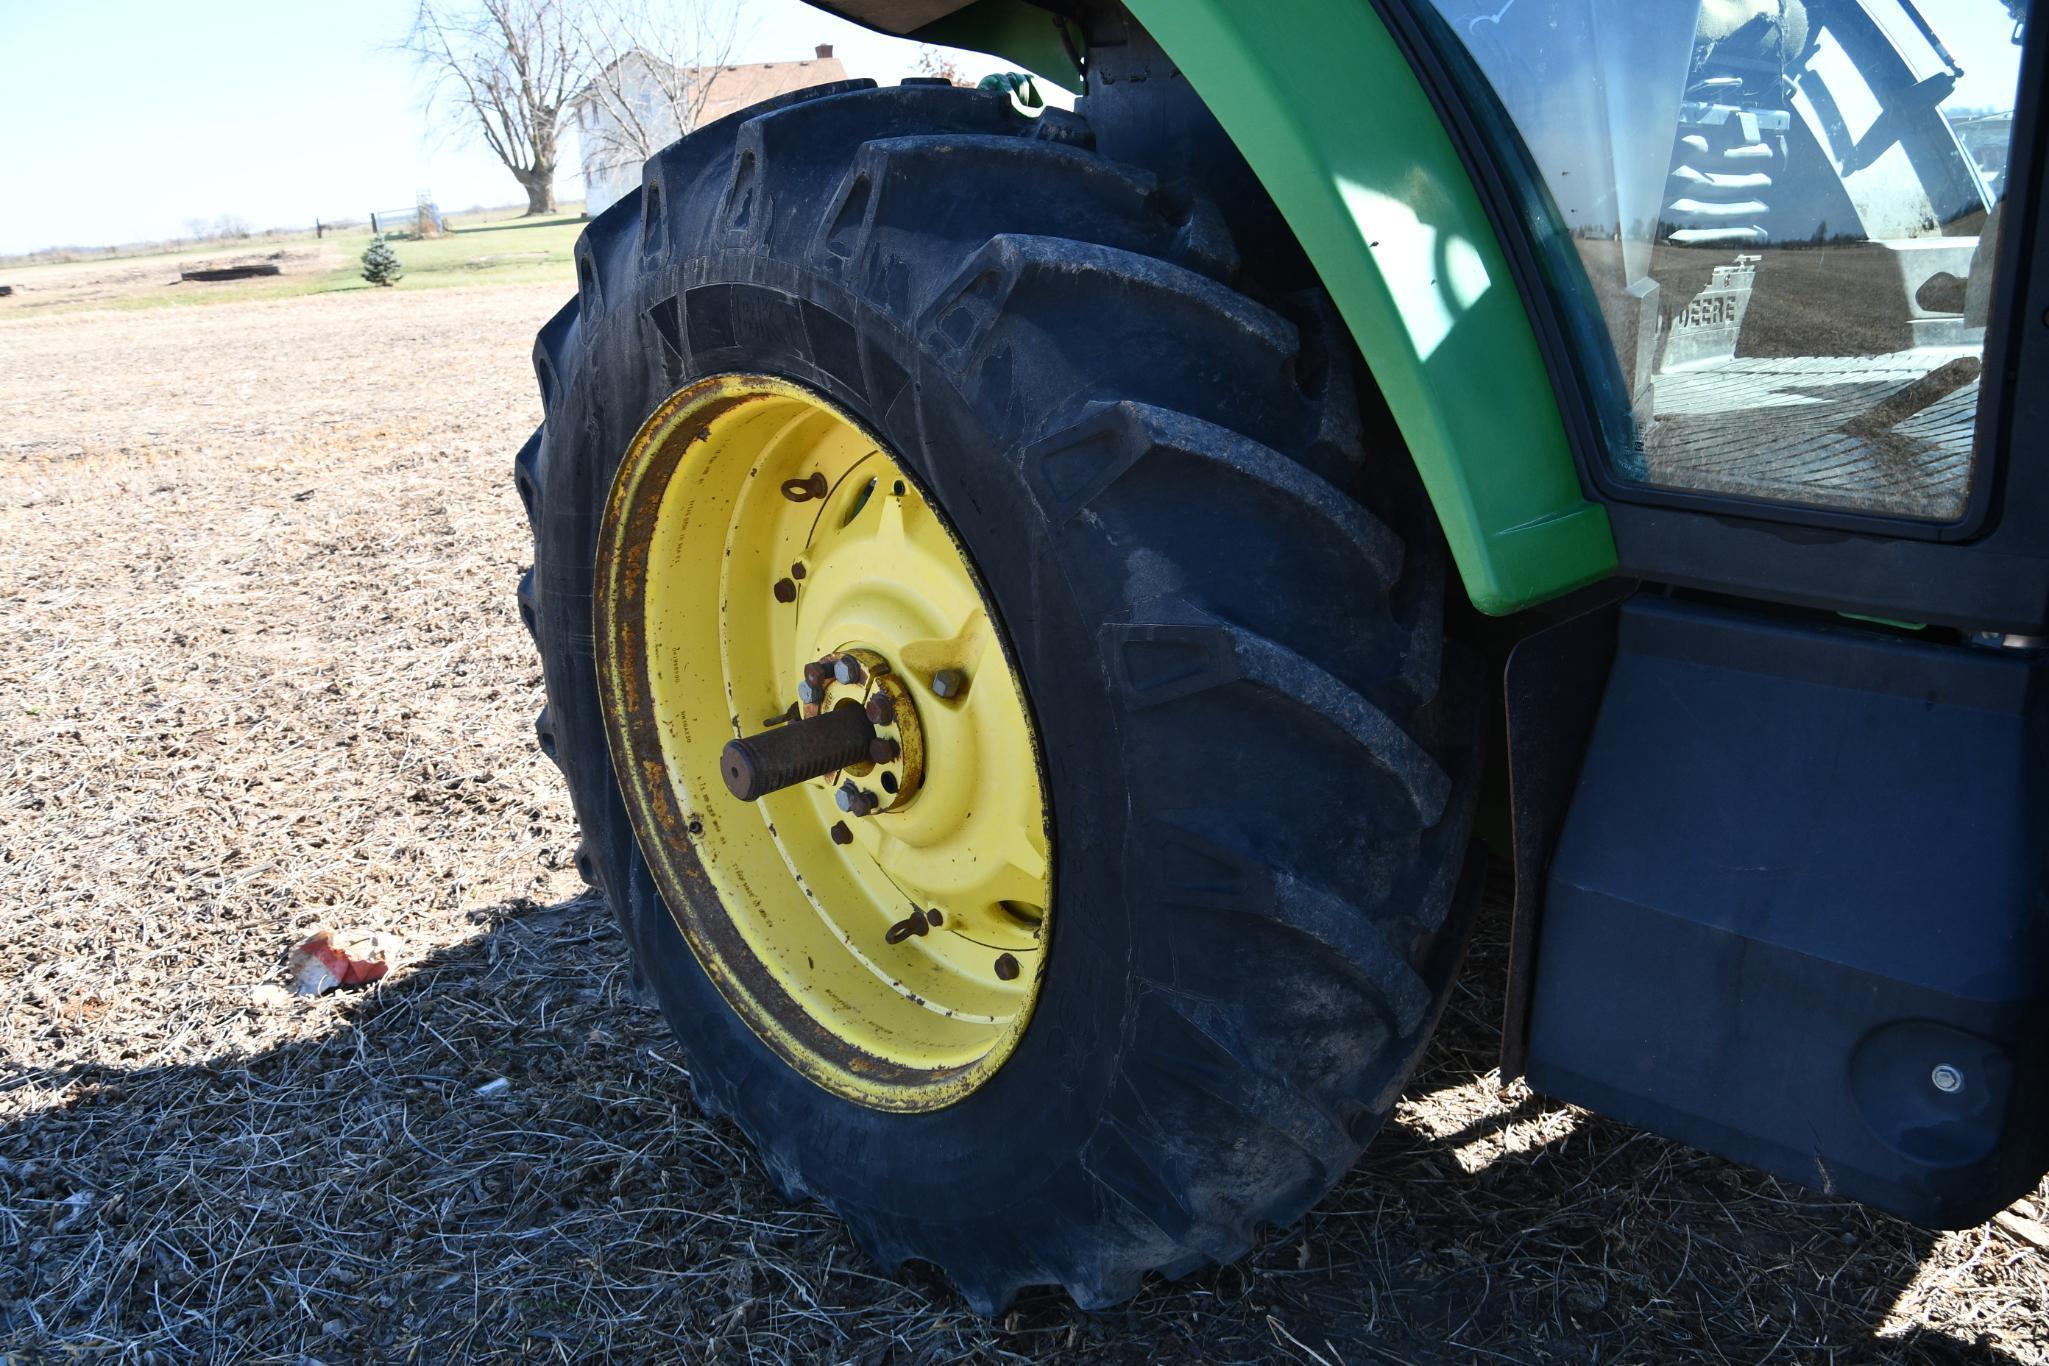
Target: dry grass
[260,668]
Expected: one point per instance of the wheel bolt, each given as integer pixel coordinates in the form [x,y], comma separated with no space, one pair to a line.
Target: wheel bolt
[865,803]
[840,833]
[785,590]
[797,570]
[883,751]
[1006,967]
[848,796]
[949,683]
[881,710]
[935,917]
[809,693]
[848,670]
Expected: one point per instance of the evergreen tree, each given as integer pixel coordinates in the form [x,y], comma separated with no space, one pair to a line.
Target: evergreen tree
[380,262]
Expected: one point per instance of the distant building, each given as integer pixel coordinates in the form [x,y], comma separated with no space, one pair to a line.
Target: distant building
[640,104]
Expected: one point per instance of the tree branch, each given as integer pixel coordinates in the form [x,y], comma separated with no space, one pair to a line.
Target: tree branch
[511,66]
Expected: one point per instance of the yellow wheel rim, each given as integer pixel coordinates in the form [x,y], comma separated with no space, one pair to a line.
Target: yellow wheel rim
[882,926]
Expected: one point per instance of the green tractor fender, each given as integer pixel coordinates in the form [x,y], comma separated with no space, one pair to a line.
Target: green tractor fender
[1330,114]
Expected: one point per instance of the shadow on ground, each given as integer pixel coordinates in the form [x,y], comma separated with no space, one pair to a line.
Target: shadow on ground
[372,1192]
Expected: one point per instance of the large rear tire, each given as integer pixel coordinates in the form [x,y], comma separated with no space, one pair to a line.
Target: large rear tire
[1223,600]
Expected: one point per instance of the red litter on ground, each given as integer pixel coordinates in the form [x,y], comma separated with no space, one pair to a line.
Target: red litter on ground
[324,960]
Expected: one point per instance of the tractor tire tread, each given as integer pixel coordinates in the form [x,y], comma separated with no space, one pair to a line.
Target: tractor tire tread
[1340,891]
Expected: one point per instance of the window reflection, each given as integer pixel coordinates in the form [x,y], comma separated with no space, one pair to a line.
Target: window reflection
[1787,209]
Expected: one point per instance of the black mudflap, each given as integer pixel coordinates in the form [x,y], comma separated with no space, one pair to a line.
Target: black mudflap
[1796,916]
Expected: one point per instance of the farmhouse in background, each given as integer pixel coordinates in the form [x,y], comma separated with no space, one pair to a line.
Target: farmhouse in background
[640,104]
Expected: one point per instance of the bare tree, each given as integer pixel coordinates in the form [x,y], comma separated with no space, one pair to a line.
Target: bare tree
[654,69]
[932,62]
[508,68]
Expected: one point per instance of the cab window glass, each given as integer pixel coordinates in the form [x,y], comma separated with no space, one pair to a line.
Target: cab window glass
[1788,210]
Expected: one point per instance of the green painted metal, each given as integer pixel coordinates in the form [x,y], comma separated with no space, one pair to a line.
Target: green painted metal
[1332,118]
[1018,85]
[1022,32]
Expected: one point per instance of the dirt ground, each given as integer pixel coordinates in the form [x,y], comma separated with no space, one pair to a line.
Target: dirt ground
[260,669]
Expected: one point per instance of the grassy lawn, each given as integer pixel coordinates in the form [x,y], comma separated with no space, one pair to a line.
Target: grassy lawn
[490,247]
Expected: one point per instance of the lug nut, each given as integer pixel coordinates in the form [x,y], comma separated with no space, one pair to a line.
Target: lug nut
[1006,967]
[809,693]
[949,683]
[935,917]
[883,751]
[797,570]
[865,803]
[847,796]
[785,590]
[840,833]
[881,709]
[848,670]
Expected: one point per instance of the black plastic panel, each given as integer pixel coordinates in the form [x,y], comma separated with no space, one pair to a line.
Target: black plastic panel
[1802,871]
[2000,584]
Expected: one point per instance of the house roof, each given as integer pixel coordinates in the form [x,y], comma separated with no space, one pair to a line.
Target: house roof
[736,87]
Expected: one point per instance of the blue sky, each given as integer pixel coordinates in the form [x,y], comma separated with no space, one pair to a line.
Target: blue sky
[120,120]
[123,120]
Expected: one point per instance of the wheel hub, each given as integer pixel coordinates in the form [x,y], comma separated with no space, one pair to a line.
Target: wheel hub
[824,750]
[863,740]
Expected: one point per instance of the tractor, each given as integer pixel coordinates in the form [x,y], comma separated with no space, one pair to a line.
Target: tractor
[1047,614]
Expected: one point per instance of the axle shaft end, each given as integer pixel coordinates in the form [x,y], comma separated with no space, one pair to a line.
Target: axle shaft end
[796,752]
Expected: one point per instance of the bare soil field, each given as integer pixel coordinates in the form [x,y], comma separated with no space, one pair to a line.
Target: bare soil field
[120,280]
[261,670]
